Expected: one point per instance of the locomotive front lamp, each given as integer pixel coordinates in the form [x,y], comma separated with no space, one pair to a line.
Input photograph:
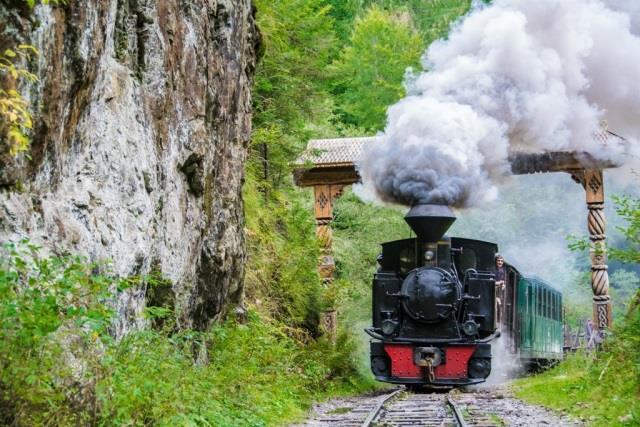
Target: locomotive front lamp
[470,328]
[389,326]
[429,255]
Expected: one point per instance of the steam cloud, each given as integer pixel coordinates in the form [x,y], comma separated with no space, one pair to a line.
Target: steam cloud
[517,75]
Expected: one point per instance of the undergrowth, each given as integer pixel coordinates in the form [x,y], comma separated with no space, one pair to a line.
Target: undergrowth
[602,387]
[60,366]
[282,279]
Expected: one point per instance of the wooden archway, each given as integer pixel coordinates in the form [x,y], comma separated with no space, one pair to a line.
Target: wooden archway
[328,165]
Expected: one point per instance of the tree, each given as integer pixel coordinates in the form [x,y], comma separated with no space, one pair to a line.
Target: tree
[431,17]
[629,209]
[291,82]
[370,70]
[343,13]
[624,285]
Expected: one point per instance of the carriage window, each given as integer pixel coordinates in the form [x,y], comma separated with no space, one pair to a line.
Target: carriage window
[546,303]
[560,307]
[541,293]
[468,259]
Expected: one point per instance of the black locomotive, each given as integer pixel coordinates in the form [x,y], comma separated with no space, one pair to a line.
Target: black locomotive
[435,311]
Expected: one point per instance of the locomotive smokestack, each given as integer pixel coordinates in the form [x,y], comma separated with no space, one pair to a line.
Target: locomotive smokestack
[430,221]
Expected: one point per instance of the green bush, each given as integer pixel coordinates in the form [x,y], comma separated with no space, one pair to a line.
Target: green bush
[61,367]
[601,387]
[51,309]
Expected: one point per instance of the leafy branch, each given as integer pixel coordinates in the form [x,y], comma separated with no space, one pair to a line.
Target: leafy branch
[14,109]
[628,209]
[16,120]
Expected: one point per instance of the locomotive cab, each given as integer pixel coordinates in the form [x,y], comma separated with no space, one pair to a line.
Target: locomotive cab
[433,305]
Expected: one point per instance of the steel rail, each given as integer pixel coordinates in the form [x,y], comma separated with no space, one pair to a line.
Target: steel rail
[456,412]
[376,410]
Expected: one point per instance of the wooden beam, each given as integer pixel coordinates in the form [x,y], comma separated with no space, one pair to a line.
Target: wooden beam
[521,164]
[558,161]
[343,174]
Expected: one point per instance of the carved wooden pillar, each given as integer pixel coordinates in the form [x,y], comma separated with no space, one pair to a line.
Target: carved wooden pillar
[325,196]
[593,183]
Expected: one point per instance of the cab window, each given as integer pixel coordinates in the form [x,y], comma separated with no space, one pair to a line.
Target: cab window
[468,259]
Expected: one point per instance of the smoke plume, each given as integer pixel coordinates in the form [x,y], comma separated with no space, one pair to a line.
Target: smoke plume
[527,76]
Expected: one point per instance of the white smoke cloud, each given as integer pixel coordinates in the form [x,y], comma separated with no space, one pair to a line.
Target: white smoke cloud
[631,8]
[514,76]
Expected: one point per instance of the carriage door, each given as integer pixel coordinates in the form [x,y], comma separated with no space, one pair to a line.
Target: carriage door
[510,327]
[526,308]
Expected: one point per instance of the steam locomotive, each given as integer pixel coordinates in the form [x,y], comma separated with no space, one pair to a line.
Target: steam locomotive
[437,310]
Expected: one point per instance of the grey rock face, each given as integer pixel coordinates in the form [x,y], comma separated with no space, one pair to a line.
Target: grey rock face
[143,116]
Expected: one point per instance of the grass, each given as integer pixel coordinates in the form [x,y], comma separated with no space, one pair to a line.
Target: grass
[256,375]
[496,420]
[603,387]
[60,366]
[343,410]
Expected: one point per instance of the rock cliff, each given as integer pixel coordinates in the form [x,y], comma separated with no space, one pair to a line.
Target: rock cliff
[142,124]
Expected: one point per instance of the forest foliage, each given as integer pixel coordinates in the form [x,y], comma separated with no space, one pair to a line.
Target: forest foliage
[369,70]
[60,363]
[328,68]
[61,366]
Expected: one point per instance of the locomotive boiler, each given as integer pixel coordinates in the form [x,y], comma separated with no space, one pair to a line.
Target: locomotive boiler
[436,308]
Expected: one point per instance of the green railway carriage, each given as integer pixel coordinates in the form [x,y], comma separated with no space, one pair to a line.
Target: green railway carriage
[533,318]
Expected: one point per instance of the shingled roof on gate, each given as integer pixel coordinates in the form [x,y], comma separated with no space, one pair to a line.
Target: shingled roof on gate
[334,160]
[333,152]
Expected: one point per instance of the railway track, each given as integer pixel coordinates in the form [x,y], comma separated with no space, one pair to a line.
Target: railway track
[455,409]
[417,409]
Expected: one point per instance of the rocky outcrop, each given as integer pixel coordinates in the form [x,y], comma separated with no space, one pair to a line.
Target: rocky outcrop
[143,116]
